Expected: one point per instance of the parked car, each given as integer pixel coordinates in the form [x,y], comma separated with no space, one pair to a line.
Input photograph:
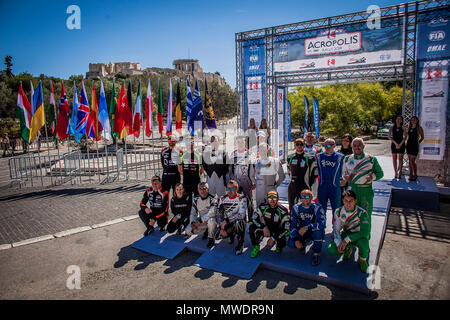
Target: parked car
[384,131]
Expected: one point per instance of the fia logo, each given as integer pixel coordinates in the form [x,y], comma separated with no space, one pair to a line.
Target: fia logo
[436,35]
[254,58]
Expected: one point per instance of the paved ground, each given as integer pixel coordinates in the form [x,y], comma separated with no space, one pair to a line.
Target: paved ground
[414,261]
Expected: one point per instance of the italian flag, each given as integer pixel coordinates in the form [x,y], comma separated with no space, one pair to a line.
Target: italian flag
[23,113]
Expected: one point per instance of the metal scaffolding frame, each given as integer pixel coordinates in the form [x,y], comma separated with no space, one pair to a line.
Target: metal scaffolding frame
[405,72]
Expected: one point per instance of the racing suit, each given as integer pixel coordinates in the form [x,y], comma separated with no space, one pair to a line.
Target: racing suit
[232,210]
[354,228]
[191,163]
[181,208]
[203,211]
[216,169]
[277,220]
[314,219]
[358,168]
[303,173]
[266,172]
[330,173]
[169,162]
[159,205]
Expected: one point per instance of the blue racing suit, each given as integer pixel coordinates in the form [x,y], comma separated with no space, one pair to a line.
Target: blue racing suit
[313,218]
[330,173]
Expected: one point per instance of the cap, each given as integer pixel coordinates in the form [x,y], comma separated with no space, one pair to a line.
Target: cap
[300,140]
[156,178]
[172,138]
[272,194]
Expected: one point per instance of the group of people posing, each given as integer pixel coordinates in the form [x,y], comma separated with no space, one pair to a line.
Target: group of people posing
[222,206]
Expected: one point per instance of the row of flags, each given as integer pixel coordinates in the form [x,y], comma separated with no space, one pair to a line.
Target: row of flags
[93,120]
[316,114]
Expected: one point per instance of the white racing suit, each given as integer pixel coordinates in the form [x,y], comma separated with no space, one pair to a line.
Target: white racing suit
[233,212]
[216,169]
[266,173]
[203,211]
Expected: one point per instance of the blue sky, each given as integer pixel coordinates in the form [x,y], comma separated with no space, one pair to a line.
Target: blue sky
[153,33]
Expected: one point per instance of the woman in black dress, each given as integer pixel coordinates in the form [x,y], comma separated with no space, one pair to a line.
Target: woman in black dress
[397,134]
[415,137]
[346,147]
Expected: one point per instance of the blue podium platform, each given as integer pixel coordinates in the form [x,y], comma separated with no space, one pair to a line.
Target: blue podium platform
[331,270]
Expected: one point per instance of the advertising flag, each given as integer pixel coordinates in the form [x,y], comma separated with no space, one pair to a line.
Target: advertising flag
[103,117]
[210,121]
[160,109]
[63,115]
[38,118]
[178,116]
[316,116]
[306,113]
[189,104]
[197,109]
[149,111]
[169,111]
[23,112]
[137,114]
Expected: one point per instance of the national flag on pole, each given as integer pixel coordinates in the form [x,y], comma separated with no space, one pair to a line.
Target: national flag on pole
[113,108]
[128,112]
[63,115]
[197,109]
[137,114]
[178,116]
[210,121]
[169,111]
[52,113]
[83,113]
[23,112]
[122,122]
[73,118]
[189,103]
[103,117]
[160,109]
[33,107]
[93,127]
[38,118]
[306,114]
[149,111]
[316,116]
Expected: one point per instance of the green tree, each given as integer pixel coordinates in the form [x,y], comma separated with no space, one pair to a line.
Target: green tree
[8,63]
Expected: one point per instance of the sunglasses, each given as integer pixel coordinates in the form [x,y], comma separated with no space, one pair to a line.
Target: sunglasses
[328,145]
[230,189]
[305,197]
[203,188]
[272,198]
[345,140]
[299,144]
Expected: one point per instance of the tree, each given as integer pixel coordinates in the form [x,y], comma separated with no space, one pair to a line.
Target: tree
[8,63]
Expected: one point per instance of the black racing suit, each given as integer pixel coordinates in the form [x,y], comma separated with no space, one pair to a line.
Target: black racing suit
[233,212]
[277,220]
[303,174]
[191,163]
[169,162]
[181,208]
[159,205]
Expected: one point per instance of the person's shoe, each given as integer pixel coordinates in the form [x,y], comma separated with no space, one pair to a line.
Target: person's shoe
[239,249]
[315,259]
[149,230]
[217,236]
[211,243]
[231,239]
[302,250]
[186,236]
[179,231]
[255,251]
[205,235]
[347,253]
[363,265]
[278,249]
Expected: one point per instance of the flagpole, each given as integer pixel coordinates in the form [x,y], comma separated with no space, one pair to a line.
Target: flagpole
[96,132]
[46,136]
[143,137]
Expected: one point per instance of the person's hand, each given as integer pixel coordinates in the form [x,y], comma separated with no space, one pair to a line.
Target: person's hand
[298,244]
[223,224]
[252,187]
[369,178]
[342,245]
[343,182]
[148,210]
[175,219]
[270,242]
[223,233]
[266,232]
[302,231]
[396,145]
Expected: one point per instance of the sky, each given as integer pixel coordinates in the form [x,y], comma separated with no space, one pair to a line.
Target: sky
[153,33]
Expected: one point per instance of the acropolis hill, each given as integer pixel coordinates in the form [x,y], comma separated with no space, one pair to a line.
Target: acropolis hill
[182,68]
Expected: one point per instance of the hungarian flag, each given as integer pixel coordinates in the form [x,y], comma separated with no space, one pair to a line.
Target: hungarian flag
[160,109]
[149,111]
[52,113]
[178,118]
[210,121]
[137,114]
[113,108]
[93,128]
[23,112]
[169,111]
[63,115]
[38,118]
